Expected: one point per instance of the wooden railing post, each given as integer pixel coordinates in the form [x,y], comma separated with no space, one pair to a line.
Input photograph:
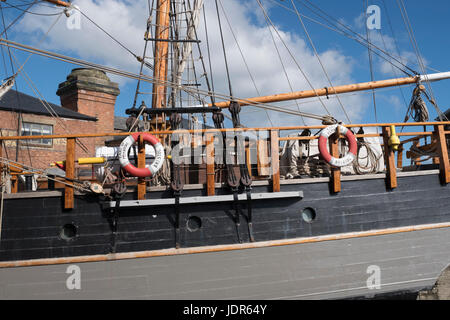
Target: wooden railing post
[389,158]
[141,164]
[400,156]
[70,173]
[275,158]
[416,160]
[210,168]
[443,154]
[335,177]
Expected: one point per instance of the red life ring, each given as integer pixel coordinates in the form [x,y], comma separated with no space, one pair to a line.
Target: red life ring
[353,146]
[141,172]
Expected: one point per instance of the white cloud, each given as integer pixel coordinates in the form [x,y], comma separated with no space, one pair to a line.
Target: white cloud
[126,20]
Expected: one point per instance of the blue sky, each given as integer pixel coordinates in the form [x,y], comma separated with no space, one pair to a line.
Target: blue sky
[344,59]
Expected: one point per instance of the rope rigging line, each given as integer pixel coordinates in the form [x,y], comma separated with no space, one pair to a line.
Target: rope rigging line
[130,75]
[17,18]
[10,6]
[40,173]
[320,60]
[144,53]
[372,78]
[224,51]
[46,105]
[357,37]
[396,47]
[138,58]
[245,61]
[408,26]
[293,57]
[14,83]
[33,87]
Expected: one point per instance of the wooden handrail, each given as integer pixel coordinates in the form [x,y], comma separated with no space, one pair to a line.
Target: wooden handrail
[122,134]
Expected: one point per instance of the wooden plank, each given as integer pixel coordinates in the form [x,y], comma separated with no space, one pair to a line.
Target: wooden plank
[444,165]
[389,158]
[275,159]
[263,158]
[335,178]
[70,173]
[141,164]
[210,167]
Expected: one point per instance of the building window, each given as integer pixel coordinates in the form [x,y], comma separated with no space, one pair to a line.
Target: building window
[37,129]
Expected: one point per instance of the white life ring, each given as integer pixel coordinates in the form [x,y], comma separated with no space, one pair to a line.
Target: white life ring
[141,172]
[353,146]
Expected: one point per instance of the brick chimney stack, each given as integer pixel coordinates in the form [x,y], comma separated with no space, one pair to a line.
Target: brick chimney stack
[91,92]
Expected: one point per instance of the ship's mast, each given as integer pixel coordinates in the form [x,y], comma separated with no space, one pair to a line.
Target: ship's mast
[161,55]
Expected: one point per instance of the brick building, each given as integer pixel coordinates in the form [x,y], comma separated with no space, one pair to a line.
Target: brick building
[87,106]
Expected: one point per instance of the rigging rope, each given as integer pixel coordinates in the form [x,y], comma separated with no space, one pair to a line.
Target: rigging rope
[130,75]
[245,62]
[320,60]
[419,56]
[293,57]
[372,78]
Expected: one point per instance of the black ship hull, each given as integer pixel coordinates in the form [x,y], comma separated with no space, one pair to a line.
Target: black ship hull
[383,224]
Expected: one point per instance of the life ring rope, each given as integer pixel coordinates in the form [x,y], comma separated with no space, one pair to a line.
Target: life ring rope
[353,146]
[125,146]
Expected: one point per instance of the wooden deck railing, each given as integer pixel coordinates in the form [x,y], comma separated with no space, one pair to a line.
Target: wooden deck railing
[438,134]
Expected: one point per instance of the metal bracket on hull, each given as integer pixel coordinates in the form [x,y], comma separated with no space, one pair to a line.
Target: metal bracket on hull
[201,200]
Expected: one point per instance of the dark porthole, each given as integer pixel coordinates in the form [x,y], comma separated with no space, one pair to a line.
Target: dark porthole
[309,215]
[68,232]
[194,223]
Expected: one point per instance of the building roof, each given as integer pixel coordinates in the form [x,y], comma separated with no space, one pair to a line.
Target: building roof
[20,102]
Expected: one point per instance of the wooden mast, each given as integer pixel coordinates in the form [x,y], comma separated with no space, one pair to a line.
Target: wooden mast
[161,55]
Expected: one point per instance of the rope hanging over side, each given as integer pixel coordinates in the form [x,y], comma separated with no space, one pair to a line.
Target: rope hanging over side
[371,158]
[417,108]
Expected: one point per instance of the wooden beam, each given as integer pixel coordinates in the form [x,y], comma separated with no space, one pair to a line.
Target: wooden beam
[323,91]
[70,173]
[444,165]
[335,177]
[389,158]
[60,3]
[275,159]
[141,164]
[210,167]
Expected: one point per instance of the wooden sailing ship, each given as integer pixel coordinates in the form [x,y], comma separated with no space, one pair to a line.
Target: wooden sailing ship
[221,230]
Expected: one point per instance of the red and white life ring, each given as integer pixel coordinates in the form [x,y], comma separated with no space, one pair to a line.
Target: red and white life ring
[353,146]
[141,172]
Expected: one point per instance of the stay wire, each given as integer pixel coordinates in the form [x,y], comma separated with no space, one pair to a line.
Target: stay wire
[245,61]
[293,57]
[320,60]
